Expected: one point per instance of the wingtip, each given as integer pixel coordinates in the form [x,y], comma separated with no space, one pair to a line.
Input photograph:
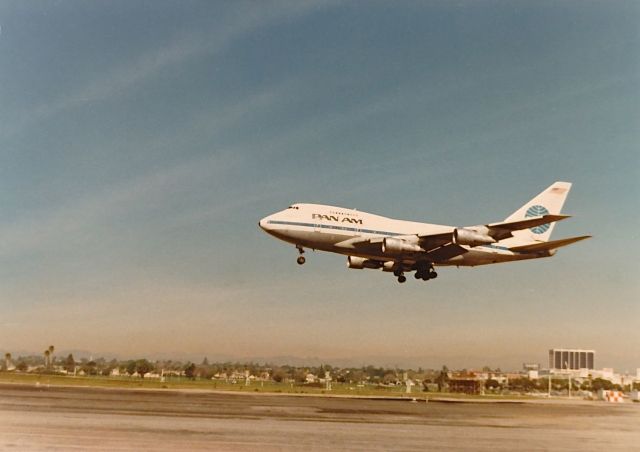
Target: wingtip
[556,216]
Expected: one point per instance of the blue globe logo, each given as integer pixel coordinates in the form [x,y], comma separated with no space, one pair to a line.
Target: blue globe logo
[536,211]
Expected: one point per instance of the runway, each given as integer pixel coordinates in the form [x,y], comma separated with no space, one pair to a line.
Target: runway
[64,418]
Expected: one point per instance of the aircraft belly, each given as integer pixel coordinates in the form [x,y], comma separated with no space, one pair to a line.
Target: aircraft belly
[310,239]
[481,257]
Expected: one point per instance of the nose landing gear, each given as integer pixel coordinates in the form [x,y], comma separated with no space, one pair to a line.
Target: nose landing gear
[301,260]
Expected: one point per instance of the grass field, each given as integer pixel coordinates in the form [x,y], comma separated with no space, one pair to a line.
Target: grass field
[343,389]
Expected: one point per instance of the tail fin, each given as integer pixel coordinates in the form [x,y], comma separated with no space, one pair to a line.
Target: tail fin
[550,201]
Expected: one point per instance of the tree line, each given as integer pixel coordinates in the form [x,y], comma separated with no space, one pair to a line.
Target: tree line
[430,379]
[50,363]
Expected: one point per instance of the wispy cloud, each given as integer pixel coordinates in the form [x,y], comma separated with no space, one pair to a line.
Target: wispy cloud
[20,236]
[83,213]
[244,19]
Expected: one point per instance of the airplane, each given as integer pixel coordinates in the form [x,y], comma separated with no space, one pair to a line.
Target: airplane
[398,246]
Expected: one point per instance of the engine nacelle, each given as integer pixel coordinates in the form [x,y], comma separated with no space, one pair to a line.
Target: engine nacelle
[360,263]
[471,237]
[398,246]
[389,266]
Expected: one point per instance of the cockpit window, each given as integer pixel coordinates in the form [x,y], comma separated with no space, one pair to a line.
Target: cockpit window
[294,207]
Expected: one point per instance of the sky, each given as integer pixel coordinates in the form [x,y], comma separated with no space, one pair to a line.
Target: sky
[141,142]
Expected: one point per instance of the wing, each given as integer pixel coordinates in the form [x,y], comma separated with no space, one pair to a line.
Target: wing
[446,252]
[440,247]
[363,245]
[432,241]
[427,242]
[500,231]
[437,247]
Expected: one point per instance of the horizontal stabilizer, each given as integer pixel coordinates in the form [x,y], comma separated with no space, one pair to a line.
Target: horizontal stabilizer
[548,246]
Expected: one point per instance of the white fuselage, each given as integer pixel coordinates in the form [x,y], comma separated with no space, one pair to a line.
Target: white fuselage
[322,227]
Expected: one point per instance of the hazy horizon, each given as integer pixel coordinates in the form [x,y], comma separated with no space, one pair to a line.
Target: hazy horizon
[142,142]
[409,362]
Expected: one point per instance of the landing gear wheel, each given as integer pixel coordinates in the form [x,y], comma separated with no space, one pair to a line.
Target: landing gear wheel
[433,275]
[424,271]
[301,260]
[402,279]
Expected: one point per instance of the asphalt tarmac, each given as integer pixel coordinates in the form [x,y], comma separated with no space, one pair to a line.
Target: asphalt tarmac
[65,418]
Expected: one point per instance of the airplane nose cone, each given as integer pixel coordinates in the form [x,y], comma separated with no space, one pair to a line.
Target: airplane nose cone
[262,223]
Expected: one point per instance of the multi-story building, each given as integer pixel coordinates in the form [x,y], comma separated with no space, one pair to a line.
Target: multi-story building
[571,359]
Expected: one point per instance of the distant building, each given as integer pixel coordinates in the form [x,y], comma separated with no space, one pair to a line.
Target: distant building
[571,359]
[469,385]
[532,370]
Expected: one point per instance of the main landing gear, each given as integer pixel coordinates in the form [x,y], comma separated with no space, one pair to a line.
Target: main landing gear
[399,273]
[425,272]
[301,260]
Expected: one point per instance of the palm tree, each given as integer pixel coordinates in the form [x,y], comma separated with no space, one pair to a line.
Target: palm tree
[51,349]
[7,360]
[47,353]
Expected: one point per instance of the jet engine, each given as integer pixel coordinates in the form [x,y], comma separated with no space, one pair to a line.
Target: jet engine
[389,266]
[399,246]
[360,263]
[472,237]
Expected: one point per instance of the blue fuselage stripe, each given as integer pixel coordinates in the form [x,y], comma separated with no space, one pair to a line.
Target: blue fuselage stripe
[330,226]
[504,248]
